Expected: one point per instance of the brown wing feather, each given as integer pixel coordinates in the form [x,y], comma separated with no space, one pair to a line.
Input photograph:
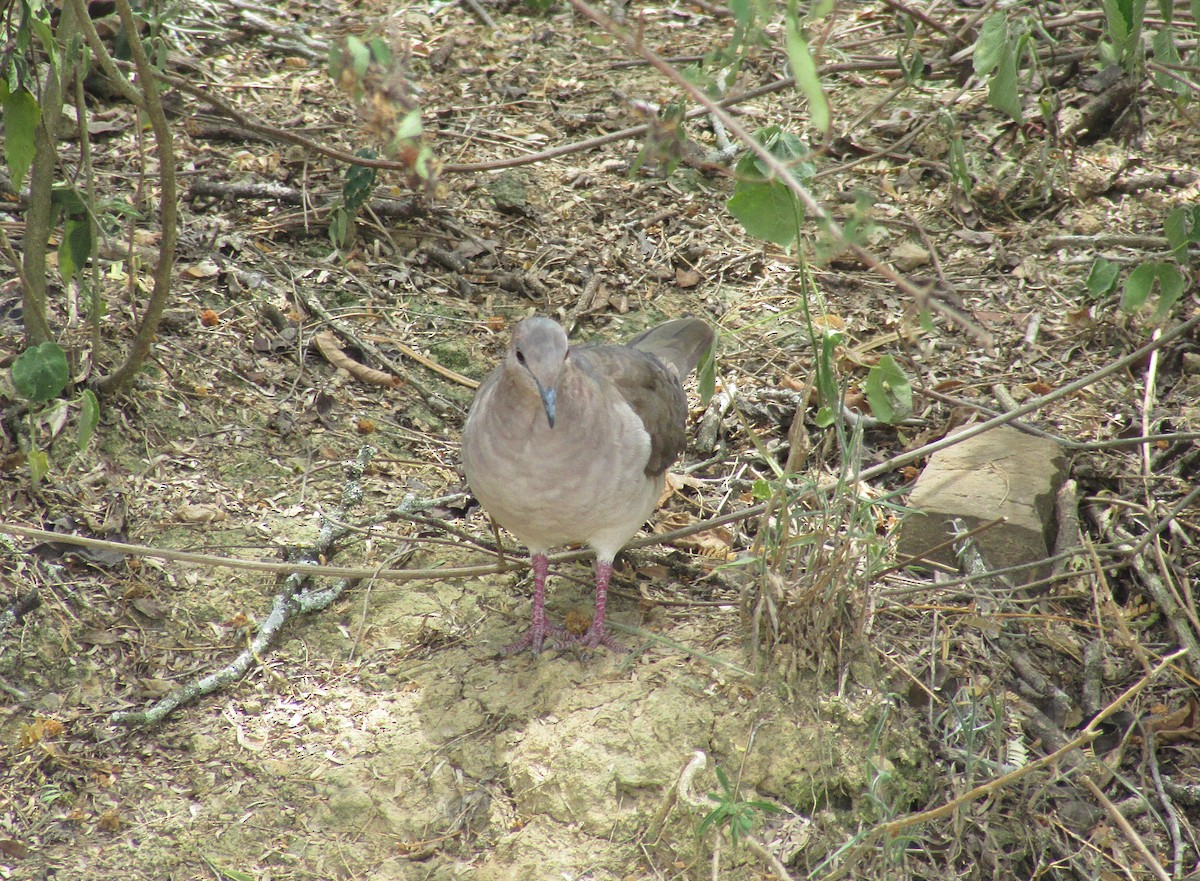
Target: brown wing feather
[681,343]
[651,390]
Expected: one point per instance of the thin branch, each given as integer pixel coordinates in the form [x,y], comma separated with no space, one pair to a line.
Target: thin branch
[892,828]
[780,170]
[641,541]
[168,211]
[294,597]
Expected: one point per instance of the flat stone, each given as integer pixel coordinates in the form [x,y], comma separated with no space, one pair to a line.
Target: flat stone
[1000,473]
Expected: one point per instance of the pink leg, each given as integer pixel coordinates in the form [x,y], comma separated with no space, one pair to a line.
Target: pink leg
[596,634]
[536,635]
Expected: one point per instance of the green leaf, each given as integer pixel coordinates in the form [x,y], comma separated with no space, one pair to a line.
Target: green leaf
[761,490]
[381,52]
[360,56]
[336,62]
[1172,283]
[40,22]
[1138,287]
[1117,20]
[21,118]
[1124,20]
[410,126]
[826,381]
[825,417]
[723,779]
[76,247]
[40,374]
[1102,277]
[1165,52]
[341,227]
[804,69]
[68,200]
[914,68]
[1178,230]
[421,166]
[767,211]
[39,465]
[1003,92]
[781,144]
[888,391]
[1141,283]
[89,418]
[360,181]
[743,13]
[992,44]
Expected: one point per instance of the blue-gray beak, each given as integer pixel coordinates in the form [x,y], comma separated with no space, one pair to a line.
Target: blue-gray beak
[549,395]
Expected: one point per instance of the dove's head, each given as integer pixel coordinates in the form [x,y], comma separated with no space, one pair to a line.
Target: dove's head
[538,352]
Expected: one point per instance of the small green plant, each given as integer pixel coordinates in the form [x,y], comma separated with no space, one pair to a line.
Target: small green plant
[829,390]
[368,71]
[356,189]
[804,68]
[43,66]
[736,816]
[997,56]
[888,391]
[1182,230]
[763,204]
[39,375]
[665,141]
[1123,20]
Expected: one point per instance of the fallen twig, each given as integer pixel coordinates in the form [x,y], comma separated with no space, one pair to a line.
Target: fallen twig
[292,599]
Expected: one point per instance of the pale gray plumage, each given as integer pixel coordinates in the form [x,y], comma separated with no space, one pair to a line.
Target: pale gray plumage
[571,444]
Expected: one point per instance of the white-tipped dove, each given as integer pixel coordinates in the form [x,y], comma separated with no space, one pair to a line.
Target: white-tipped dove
[571,444]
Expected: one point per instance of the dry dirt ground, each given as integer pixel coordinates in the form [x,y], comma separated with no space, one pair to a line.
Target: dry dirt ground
[383,738]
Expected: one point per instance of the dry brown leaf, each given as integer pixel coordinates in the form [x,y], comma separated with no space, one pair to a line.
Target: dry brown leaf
[334,355]
[716,544]
[200,514]
[1182,724]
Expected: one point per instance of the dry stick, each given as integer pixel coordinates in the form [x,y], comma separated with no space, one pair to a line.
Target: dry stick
[1130,833]
[349,572]
[1110,549]
[291,599]
[314,305]
[482,14]
[1151,752]
[1164,592]
[780,170]
[930,448]
[1065,442]
[642,541]
[1090,733]
[925,556]
[13,258]
[1166,597]
[920,16]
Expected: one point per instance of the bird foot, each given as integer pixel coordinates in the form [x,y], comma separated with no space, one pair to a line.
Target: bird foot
[599,636]
[535,638]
